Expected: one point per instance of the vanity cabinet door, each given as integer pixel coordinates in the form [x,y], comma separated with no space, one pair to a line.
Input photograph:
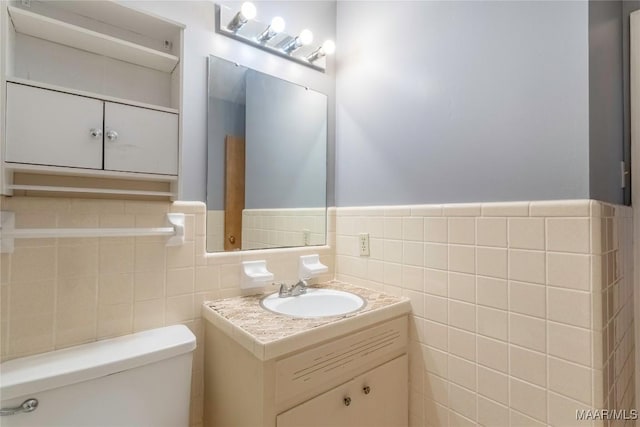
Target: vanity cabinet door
[140,140]
[383,395]
[377,398]
[45,127]
[327,409]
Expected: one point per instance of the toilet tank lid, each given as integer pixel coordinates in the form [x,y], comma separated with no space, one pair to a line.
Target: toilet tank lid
[46,371]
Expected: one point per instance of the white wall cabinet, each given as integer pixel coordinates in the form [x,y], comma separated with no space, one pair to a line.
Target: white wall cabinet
[90,100]
[377,398]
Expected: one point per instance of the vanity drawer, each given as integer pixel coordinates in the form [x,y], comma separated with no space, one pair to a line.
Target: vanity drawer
[335,362]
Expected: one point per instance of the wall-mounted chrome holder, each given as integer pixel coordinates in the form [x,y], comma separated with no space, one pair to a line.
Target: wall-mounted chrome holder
[8,232]
[250,32]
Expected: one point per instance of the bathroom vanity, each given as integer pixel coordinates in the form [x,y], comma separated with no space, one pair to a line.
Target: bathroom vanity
[266,369]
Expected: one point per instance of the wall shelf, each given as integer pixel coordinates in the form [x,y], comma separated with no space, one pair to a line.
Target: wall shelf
[56,31]
[90,190]
[95,173]
[51,181]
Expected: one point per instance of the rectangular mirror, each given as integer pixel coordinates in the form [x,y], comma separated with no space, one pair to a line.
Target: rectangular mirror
[266,161]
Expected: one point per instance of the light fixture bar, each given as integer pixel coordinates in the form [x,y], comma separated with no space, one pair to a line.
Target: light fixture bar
[253,33]
[291,45]
[316,54]
[266,35]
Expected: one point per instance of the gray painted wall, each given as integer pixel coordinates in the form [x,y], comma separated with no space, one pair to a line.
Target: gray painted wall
[286,134]
[606,122]
[461,101]
[200,41]
[504,83]
[628,6]
[225,118]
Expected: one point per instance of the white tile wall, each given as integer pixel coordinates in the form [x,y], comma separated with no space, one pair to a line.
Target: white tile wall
[275,228]
[613,307]
[57,293]
[522,311]
[270,228]
[215,231]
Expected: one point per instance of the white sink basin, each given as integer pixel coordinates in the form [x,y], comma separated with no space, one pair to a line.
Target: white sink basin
[314,303]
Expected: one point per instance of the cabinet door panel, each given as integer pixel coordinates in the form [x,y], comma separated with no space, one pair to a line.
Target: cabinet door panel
[147,140]
[385,402]
[325,410]
[51,128]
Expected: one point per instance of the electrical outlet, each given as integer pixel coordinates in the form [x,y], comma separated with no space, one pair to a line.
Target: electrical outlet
[306,237]
[364,244]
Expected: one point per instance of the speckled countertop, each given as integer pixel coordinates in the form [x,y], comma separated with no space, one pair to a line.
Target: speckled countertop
[268,335]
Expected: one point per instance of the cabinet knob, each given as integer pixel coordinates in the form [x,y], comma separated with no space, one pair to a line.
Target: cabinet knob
[347,401]
[112,135]
[95,133]
[366,389]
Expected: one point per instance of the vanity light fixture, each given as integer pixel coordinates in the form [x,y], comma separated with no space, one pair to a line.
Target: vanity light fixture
[327,48]
[304,38]
[244,26]
[247,12]
[276,27]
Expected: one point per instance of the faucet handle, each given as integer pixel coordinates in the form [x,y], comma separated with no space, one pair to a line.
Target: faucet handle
[284,287]
[285,290]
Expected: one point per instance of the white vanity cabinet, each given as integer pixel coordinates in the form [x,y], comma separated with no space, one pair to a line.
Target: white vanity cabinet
[46,127]
[377,398]
[356,379]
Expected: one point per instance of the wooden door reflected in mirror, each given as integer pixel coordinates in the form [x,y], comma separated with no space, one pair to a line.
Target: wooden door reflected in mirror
[234,192]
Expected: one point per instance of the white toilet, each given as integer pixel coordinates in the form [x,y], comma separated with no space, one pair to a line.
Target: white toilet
[137,380]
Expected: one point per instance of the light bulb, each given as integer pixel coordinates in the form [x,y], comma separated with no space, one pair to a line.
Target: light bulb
[305,37]
[294,43]
[329,47]
[277,24]
[248,10]
[276,27]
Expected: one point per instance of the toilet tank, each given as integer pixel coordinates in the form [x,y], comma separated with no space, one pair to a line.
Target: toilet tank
[138,380]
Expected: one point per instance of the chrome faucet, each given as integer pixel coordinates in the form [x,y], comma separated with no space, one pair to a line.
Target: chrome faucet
[293,291]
